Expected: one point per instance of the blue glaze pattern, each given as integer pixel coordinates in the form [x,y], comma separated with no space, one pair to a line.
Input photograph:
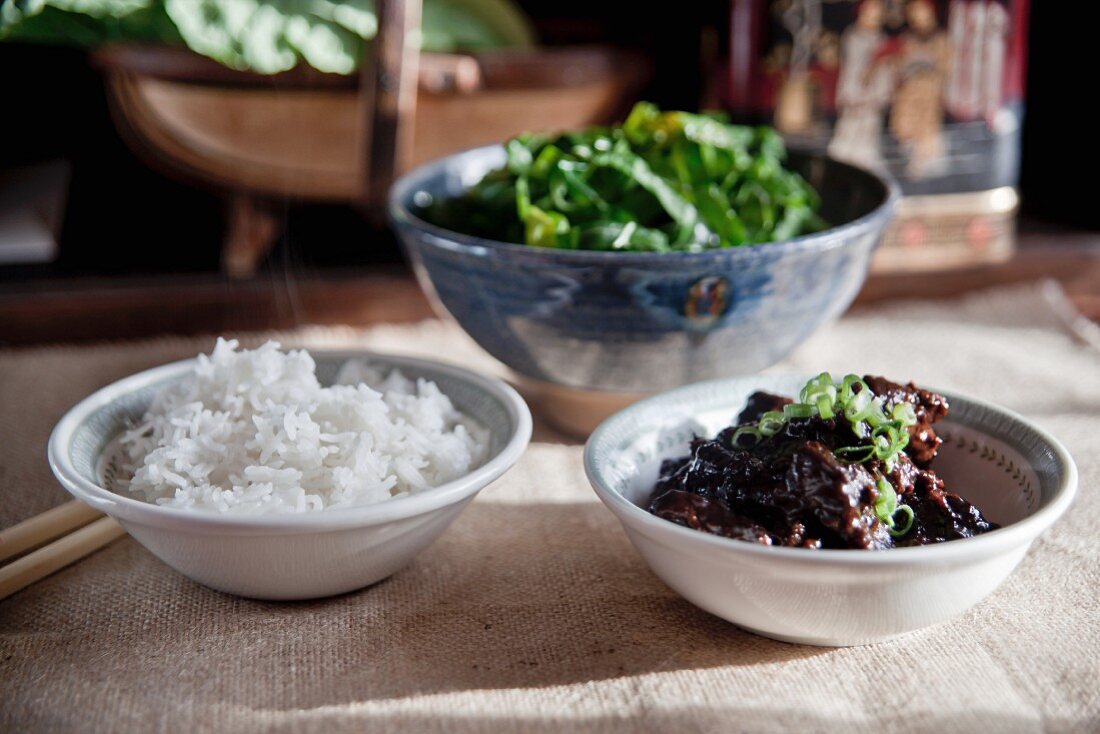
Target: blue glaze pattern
[642,321]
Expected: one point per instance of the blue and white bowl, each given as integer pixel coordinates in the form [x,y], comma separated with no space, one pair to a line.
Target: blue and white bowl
[640,322]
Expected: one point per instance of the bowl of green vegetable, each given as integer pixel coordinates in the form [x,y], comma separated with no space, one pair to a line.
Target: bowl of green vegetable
[673,248]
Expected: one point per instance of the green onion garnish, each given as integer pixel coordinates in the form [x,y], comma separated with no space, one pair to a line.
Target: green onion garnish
[798,410]
[896,531]
[751,431]
[771,423]
[856,454]
[887,502]
[852,399]
[887,509]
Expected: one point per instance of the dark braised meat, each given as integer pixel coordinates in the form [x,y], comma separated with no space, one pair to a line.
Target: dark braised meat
[760,403]
[700,513]
[792,488]
[940,516]
[822,493]
[929,407]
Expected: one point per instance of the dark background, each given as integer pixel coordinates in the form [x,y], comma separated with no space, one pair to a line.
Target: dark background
[124,218]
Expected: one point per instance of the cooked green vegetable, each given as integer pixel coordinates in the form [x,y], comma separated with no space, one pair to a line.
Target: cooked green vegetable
[660,182]
[265,36]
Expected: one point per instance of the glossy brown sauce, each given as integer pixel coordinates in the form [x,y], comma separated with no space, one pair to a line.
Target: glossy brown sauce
[791,489]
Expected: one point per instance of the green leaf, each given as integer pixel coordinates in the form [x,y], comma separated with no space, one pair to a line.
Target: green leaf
[635,168]
[546,229]
[85,23]
[620,236]
[662,181]
[714,207]
[709,132]
[453,25]
[520,155]
[265,36]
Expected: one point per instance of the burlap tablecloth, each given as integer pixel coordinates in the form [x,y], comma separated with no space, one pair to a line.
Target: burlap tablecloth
[533,612]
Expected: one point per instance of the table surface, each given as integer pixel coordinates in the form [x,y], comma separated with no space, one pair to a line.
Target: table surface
[533,613]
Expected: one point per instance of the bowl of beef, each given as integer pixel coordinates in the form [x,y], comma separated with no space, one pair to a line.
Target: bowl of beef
[829,511]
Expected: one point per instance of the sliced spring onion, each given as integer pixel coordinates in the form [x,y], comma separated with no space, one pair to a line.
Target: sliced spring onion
[822,384]
[904,412]
[798,410]
[751,431]
[855,454]
[820,392]
[886,435]
[887,509]
[859,406]
[886,504]
[896,531]
[847,388]
[771,423]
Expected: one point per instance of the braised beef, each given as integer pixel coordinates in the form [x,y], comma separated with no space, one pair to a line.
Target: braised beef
[821,491]
[793,489]
[929,407]
[700,513]
[940,516]
[760,403]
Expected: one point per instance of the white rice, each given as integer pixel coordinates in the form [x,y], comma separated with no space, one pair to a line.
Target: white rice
[253,432]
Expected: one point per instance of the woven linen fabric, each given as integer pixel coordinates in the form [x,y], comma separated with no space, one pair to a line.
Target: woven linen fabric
[533,613]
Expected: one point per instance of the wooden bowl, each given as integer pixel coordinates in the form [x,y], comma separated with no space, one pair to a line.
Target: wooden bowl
[302,133]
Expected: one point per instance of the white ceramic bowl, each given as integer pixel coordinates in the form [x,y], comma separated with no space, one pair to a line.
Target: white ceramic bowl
[1019,475]
[286,556]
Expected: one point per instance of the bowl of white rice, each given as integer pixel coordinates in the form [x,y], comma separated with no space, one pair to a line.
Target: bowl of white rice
[287,475]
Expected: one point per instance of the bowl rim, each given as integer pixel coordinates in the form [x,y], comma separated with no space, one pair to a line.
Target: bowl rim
[401,215]
[1021,532]
[397,508]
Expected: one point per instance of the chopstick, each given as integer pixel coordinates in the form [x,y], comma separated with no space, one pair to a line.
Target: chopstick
[71,548]
[39,529]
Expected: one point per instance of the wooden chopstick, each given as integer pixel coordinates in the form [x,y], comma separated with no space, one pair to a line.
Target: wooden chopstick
[55,556]
[43,528]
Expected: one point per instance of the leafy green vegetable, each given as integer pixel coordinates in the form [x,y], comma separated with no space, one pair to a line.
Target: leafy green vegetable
[266,36]
[456,25]
[660,182]
[86,23]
